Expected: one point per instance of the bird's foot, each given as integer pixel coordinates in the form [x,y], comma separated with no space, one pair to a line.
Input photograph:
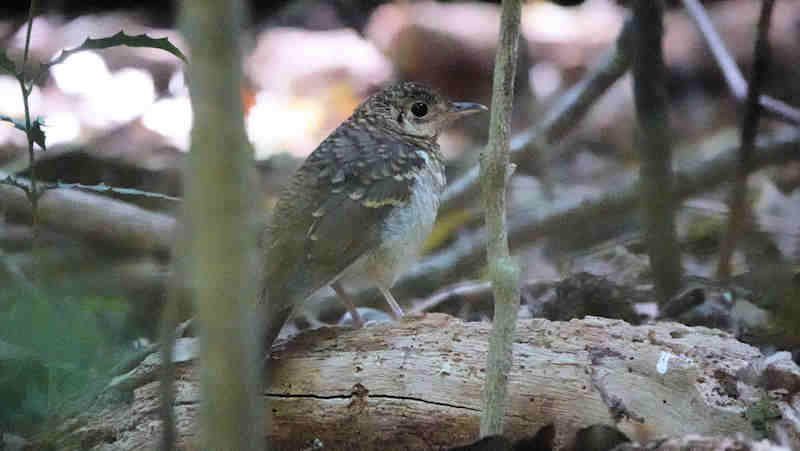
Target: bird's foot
[354,318]
[397,311]
[369,317]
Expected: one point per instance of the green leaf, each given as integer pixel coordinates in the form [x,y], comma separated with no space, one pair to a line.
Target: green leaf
[120,38]
[6,65]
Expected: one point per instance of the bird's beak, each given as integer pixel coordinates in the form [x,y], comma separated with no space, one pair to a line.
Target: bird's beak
[458,109]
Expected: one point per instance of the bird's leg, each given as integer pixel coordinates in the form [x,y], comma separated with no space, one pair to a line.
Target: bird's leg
[397,312]
[358,323]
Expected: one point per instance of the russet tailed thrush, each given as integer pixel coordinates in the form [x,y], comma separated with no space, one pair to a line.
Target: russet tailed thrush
[362,203]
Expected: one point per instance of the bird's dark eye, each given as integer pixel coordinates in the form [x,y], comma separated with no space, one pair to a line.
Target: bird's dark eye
[419,109]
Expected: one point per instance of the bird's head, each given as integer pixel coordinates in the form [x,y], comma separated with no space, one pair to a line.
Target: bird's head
[413,109]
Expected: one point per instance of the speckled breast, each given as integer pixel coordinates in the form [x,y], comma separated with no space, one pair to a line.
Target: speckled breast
[406,228]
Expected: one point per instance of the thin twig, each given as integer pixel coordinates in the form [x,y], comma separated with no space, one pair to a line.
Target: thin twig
[32,193]
[34,6]
[103,188]
[459,290]
[96,218]
[25,185]
[730,70]
[738,204]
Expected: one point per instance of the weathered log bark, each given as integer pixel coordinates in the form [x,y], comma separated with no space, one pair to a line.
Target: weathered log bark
[416,384]
[698,443]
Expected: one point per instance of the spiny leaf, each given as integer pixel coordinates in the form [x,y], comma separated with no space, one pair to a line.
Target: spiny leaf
[141,40]
[10,180]
[18,123]
[36,128]
[37,133]
[6,65]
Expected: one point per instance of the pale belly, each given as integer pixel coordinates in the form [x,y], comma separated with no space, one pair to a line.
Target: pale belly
[405,231]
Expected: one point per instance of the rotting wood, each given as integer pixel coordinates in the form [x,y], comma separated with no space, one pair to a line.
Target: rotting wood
[416,384]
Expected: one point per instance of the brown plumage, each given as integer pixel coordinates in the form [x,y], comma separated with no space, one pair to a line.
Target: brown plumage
[362,202]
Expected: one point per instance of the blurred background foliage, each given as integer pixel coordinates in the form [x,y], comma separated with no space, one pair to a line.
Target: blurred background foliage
[70,307]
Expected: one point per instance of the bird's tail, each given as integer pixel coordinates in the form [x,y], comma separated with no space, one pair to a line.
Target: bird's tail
[285,285]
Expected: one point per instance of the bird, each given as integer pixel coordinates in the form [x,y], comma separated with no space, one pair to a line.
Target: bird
[361,204]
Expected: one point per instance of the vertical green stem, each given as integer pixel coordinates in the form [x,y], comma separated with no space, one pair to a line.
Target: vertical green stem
[503,271]
[655,145]
[220,229]
[33,193]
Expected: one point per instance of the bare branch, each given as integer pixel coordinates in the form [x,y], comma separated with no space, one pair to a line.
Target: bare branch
[559,120]
[459,290]
[655,147]
[738,204]
[733,76]
[103,188]
[33,191]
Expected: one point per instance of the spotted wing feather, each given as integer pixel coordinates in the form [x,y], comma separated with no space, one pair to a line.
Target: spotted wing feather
[365,178]
[338,199]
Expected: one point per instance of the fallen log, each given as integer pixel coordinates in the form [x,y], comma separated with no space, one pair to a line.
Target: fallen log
[417,384]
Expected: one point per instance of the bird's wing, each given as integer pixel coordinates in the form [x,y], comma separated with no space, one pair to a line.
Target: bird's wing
[330,215]
[365,179]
